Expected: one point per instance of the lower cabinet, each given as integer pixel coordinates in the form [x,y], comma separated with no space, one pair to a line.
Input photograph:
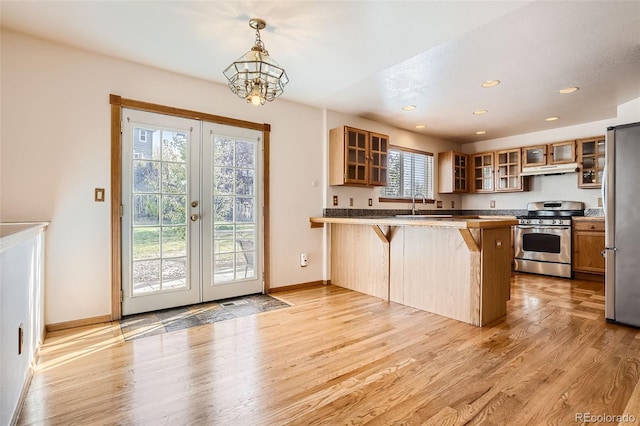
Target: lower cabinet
[588,244]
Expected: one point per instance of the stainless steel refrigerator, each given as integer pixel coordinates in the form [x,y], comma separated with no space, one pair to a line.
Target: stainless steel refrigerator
[621,195]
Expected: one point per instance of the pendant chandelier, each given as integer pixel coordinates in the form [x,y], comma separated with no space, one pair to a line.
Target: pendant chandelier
[255,76]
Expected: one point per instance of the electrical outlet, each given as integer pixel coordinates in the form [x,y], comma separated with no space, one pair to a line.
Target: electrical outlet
[335,200]
[439,204]
[350,202]
[599,201]
[492,204]
[453,204]
[304,260]
[370,202]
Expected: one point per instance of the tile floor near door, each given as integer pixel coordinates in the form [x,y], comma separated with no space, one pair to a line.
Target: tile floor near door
[158,322]
[338,357]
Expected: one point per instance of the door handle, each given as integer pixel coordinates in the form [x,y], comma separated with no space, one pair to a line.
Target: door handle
[194,204]
[194,217]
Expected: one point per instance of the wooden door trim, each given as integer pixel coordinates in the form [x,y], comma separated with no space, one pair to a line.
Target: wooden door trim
[117,103]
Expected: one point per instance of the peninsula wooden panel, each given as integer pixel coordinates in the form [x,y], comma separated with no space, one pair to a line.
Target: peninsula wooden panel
[496,273]
[436,272]
[360,260]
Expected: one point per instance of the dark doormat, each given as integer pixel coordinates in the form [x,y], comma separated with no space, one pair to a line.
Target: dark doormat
[158,322]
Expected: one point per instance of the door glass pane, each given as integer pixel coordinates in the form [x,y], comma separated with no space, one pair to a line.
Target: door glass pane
[146,209]
[234,209]
[159,201]
[146,176]
[174,273]
[146,243]
[174,241]
[146,276]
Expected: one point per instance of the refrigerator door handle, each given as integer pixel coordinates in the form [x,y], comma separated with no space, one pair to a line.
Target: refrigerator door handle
[604,190]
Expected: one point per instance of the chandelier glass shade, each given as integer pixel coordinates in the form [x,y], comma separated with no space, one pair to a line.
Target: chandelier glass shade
[255,76]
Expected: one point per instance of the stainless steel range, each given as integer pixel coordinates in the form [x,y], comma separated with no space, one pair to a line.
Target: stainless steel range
[542,239]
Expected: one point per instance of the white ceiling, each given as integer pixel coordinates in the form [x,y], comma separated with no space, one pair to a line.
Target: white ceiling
[369,58]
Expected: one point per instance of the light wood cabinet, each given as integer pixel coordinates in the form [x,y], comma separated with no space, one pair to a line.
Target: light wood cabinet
[553,153]
[588,244]
[453,172]
[357,157]
[508,166]
[482,168]
[562,152]
[534,156]
[591,160]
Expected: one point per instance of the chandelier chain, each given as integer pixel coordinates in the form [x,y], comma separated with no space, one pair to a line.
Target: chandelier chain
[259,44]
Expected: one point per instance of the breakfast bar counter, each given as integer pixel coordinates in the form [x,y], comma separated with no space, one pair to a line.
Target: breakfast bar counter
[458,267]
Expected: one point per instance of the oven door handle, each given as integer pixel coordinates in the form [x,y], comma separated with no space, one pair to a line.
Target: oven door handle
[562,228]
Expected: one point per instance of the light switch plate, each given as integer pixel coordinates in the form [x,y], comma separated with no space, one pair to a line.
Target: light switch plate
[99,195]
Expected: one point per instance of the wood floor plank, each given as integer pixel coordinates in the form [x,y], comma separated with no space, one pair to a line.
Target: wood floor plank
[340,357]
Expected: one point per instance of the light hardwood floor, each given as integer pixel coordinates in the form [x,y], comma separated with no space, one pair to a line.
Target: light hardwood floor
[341,357]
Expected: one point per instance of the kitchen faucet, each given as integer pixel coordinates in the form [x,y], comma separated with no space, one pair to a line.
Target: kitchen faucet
[413,204]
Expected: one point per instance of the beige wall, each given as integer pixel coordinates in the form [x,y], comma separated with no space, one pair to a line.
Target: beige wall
[55,149]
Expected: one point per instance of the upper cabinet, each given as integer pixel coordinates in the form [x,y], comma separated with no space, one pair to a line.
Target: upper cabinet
[357,157]
[533,156]
[553,153]
[562,152]
[508,166]
[453,169]
[482,166]
[591,160]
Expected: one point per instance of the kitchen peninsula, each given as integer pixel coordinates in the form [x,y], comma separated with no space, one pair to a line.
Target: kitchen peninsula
[458,267]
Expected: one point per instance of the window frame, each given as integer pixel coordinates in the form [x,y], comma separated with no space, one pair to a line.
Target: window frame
[382,199]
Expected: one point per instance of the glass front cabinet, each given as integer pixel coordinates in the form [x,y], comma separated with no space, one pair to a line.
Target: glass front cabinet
[591,160]
[357,157]
[453,172]
[482,169]
[508,166]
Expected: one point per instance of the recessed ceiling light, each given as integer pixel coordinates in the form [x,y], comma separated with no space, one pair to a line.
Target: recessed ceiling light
[480,112]
[420,126]
[551,118]
[408,107]
[490,83]
[568,90]
[481,132]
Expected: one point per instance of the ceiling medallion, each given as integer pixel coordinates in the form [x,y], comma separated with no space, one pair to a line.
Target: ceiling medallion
[255,76]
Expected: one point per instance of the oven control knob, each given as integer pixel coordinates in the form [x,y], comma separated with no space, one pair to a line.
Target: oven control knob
[540,221]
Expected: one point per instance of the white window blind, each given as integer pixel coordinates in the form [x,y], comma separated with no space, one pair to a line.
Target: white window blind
[409,173]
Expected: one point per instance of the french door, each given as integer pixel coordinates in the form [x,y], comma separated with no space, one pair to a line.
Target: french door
[192,211]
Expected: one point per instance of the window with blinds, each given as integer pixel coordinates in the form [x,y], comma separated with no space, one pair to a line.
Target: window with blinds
[410,173]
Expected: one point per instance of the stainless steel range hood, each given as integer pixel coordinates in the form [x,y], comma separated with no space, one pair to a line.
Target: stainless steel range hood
[552,169]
